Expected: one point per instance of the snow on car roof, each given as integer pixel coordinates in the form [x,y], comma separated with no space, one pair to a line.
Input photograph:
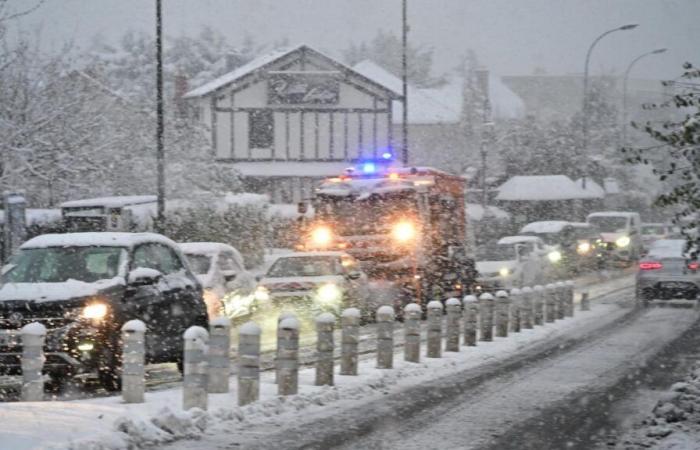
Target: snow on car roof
[203,248]
[110,202]
[667,248]
[613,214]
[508,240]
[546,226]
[95,240]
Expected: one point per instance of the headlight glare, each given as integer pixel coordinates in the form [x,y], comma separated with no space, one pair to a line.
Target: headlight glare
[583,247]
[554,256]
[504,272]
[321,236]
[622,241]
[94,311]
[262,294]
[329,293]
[404,231]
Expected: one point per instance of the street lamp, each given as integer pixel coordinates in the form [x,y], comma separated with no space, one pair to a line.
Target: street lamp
[585,79]
[624,89]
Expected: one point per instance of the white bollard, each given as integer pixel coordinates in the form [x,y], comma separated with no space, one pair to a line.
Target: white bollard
[350,339]
[412,315]
[33,336]
[569,298]
[434,329]
[324,349]
[538,304]
[471,312]
[194,384]
[486,305]
[527,308]
[454,315]
[249,363]
[133,361]
[562,302]
[585,302]
[385,337]
[502,313]
[516,301]
[283,315]
[550,306]
[219,359]
[287,363]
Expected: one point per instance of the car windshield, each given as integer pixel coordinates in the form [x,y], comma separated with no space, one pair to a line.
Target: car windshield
[496,252]
[305,266]
[652,229]
[59,264]
[199,264]
[609,224]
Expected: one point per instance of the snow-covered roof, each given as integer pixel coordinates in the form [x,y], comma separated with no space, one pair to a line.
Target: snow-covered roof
[546,226]
[270,58]
[476,212]
[110,202]
[542,188]
[611,186]
[204,248]
[590,186]
[94,239]
[291,169]
[509,240]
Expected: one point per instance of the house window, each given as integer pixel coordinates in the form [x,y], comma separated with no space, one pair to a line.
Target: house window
[260,129]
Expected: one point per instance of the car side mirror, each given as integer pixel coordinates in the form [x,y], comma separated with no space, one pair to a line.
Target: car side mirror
[143,276]
[354,275]
[258,277]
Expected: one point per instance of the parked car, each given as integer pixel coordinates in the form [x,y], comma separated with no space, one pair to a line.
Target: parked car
[620,234]
[228,286]
[652,232]
[513,261]
[83,287]
[314,282]
[667,272]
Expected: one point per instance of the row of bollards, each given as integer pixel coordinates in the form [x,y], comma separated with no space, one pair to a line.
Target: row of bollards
[207,362]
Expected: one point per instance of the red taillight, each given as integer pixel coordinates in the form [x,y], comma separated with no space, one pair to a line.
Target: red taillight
[650,265]
[694,265]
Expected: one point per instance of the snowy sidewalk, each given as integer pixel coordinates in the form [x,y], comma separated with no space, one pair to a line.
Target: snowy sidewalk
[106,423]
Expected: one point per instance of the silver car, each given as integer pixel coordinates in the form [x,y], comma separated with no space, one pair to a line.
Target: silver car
[667,273]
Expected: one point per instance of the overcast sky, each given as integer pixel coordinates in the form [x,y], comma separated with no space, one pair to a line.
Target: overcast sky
[511,37]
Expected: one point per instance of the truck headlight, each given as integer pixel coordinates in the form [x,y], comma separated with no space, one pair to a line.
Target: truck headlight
[622,241]
[504,272]
[321,236]
[554,256]
[583,247]
[404,231]
[94,311]
[329,293]
[262,294]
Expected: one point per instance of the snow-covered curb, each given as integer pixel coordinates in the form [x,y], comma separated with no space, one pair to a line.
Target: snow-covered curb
[106,423]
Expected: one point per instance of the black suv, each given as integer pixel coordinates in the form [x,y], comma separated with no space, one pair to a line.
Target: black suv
[83,287]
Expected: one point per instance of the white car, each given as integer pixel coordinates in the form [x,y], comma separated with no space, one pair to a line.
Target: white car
[314,282]
[652,232]
[228,287]
[513,261]
[620,232]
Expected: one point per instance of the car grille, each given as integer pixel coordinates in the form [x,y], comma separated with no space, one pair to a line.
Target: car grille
[51,316]
[48,322]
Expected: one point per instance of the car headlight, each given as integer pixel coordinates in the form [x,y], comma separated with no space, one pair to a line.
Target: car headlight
[554,256]
[321,236]
[404,231]
[329,293]
[94,311]
[583,247]
[262,294]
[504,272]
[622,241]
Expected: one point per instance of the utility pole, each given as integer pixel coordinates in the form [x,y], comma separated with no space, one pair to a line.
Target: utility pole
[404,80]
[160,150]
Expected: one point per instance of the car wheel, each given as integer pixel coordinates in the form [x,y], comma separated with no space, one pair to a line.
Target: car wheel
[109,371]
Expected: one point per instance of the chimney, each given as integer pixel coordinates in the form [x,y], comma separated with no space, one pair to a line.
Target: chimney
[180,91]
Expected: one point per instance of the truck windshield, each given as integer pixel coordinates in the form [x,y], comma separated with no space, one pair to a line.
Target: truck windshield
[375,214]
[609,224]
[305,266]
[59,264]
[496,252]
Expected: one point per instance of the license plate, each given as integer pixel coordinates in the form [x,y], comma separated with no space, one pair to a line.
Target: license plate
[8,338]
